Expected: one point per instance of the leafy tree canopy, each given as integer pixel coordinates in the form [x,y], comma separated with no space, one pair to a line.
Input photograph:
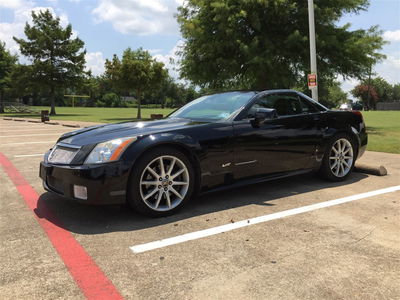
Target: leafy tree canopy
[367,94]
[57,58]
[331,95]
[383,88]
[263,44]
[396,92]
[379,89]
[7,64]
[137,71]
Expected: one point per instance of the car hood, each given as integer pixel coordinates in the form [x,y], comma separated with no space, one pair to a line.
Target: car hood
[101,133]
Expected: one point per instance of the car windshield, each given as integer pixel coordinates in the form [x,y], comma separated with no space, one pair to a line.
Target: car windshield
[213,107]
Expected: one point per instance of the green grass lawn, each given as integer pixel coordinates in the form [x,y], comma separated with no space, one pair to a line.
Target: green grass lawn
[383,129]
[383,126]
[95,114]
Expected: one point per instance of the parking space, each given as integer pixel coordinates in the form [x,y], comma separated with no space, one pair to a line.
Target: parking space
[349,250]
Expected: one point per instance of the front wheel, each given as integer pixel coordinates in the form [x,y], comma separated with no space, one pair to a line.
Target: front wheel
[339,158]
[162,182]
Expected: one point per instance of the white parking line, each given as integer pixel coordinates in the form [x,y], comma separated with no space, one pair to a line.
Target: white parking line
[44,142]
[29,155]
[25,135]
[2,128]
[231,226]
[34,129]
[24,126]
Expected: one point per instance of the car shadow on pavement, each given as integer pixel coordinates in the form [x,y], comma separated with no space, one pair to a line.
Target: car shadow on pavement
[87,219]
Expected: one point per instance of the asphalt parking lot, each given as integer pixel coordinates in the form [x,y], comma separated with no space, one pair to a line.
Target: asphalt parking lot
[349,250]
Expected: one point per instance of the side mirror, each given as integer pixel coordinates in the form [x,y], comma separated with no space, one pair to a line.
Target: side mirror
[263,114]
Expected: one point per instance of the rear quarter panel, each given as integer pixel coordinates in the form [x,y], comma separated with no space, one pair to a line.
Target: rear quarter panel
[335,122]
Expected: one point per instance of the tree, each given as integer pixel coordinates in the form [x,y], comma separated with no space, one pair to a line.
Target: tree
[21,84]
[262,44]
[7,64]
[91,86]
[361,92]
[332,95]
[57,59]
[396,92]
[137,72]
[383,88]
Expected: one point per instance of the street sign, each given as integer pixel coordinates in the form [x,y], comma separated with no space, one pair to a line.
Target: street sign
[312,80]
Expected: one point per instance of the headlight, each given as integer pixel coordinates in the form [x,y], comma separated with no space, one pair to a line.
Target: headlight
[109,151]
[62,154]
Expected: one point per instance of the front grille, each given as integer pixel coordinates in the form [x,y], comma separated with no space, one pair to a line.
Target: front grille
[62,155]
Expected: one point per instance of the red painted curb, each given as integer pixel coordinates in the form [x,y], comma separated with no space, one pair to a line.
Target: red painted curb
[90,278]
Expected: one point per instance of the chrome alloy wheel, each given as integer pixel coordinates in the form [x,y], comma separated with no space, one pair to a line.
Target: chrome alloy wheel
[164,183]
[341,157]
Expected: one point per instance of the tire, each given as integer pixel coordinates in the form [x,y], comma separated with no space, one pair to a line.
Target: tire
[339,158]
[157,190]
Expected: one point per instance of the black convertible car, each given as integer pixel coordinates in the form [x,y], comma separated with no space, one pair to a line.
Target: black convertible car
[219,140]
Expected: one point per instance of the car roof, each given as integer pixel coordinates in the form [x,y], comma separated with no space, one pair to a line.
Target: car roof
[255,91]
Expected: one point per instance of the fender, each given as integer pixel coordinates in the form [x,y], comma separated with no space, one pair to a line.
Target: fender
[185,143]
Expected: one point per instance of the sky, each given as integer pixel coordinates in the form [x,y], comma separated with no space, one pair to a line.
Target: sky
[110,26]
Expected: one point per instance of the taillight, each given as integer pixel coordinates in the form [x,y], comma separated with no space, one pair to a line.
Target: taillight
[358,113]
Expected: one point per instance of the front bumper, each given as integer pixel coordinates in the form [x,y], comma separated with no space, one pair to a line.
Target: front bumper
[105,183]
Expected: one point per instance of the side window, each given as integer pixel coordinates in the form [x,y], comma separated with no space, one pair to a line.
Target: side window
[285,104]
[294,106]
[264,102]
[267,101]
[307,107]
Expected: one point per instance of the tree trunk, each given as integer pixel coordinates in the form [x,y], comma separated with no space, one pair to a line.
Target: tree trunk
[1,103]
[52,102]
[139,100]
[139,109]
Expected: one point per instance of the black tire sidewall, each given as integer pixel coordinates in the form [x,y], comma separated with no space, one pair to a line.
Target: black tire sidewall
[134,198]
[325,170]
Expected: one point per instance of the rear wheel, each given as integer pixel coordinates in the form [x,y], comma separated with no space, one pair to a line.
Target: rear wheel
[339,158]
[162,182]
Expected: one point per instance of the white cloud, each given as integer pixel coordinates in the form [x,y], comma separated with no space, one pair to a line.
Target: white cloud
[348,84]
[13,4]
[141,17]
[392,36]
[389,69]
[154,51]
[23,13]
[95,62]
[171,60]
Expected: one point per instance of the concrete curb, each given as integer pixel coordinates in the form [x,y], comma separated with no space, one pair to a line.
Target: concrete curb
[39,121]
[71,125]
[372,170]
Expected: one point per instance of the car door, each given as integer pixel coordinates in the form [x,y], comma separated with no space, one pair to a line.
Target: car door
[283,144]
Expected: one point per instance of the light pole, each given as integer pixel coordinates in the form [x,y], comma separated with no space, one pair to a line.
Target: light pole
[313,51]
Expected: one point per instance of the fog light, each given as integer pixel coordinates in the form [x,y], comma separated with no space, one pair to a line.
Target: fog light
[80,192]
